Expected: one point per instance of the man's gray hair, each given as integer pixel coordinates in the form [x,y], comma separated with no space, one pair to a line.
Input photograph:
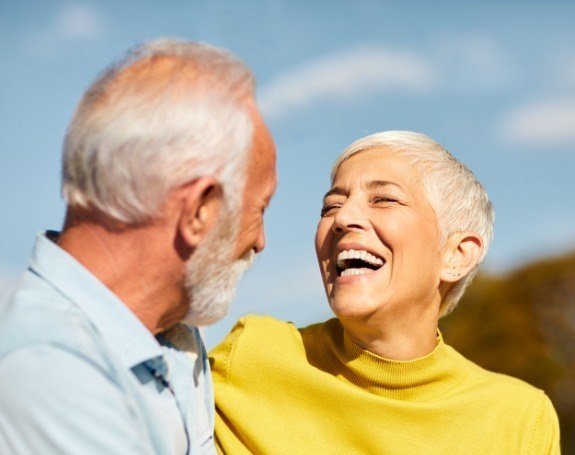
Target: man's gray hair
[460,202]
[169,112]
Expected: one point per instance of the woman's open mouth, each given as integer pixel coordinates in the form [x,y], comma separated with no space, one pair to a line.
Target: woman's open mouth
[357,262]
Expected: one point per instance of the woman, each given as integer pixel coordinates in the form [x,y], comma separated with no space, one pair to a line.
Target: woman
[402,231]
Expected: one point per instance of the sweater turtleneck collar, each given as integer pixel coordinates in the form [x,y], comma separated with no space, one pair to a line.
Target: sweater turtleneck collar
[421,379]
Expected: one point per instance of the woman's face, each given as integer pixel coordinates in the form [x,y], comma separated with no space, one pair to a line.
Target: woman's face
[377,241]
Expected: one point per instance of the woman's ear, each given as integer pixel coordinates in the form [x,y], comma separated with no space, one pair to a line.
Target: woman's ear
[461,254]
[201,205]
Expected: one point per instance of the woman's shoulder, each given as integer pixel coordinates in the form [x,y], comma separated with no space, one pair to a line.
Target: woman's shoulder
[258,335]
[518,403]
[254,327]
[492,382]
[256,342]
[263,320]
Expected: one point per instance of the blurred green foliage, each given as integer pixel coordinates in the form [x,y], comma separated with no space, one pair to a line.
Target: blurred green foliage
[523,324]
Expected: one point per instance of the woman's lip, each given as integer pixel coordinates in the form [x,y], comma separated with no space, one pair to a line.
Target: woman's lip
[342,280]
[346,246]
[355,246]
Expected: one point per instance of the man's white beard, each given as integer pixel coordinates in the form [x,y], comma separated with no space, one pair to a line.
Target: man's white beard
[211,280]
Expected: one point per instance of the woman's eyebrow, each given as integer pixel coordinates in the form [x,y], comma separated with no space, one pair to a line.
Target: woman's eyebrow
[373,184]
[370,185]
[335,190]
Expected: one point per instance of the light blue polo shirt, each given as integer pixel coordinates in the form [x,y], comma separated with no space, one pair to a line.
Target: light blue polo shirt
[80,374]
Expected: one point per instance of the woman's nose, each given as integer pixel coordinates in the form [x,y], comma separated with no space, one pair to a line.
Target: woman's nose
[350,216]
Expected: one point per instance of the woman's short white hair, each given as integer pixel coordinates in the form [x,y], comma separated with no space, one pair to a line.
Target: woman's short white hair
[169,112]
[460,202]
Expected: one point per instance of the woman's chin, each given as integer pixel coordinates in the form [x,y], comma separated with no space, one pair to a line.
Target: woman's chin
[353,307]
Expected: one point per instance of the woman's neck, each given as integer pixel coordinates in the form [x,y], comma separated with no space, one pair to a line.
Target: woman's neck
[394,339]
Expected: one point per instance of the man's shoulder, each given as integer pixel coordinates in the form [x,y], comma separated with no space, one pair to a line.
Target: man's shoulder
[34,313]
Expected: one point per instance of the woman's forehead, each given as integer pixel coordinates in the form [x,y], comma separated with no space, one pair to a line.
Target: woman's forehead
[377,165]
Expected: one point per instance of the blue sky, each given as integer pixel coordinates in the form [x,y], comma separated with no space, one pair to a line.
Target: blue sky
[494,82]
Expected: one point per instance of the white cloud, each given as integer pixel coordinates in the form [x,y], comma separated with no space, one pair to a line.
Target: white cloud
[78,22]
[347,74]
[567,72]
[73,23]
[548,123]
[473,61]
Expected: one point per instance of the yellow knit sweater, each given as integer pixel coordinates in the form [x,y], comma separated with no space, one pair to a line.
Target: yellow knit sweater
[280,390]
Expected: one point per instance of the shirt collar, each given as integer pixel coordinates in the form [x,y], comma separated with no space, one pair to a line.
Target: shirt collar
[126,335]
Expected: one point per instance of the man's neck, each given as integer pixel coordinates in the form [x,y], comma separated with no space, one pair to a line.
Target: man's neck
[135,264]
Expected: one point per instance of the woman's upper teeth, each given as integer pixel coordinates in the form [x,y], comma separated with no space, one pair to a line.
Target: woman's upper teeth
[357,254]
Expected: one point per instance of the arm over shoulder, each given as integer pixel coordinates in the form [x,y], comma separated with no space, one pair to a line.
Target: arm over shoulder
[221,356]
[247,335]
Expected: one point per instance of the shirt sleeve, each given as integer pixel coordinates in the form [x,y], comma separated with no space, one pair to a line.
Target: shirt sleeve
[57,401]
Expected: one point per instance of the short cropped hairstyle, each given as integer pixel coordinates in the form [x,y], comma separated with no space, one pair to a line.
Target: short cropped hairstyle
[460,202]
[169,112]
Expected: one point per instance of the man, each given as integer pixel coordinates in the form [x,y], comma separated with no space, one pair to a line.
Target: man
[167,170]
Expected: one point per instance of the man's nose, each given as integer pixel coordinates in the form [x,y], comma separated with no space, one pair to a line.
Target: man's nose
[350,216]
[260,243]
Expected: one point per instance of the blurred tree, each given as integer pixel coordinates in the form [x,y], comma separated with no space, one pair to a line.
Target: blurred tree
[523,324]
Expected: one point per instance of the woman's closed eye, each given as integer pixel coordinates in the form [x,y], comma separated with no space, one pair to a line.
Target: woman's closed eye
[383,200]
[329,208]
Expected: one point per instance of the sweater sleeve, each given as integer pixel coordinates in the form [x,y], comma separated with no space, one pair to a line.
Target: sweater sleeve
[221,356]
[545,434]
[252,383]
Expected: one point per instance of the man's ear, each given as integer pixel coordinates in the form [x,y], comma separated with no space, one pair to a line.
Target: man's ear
[461,254]
[202,200]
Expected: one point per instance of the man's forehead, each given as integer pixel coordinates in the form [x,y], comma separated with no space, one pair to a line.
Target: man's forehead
[262,156]
[263,150]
